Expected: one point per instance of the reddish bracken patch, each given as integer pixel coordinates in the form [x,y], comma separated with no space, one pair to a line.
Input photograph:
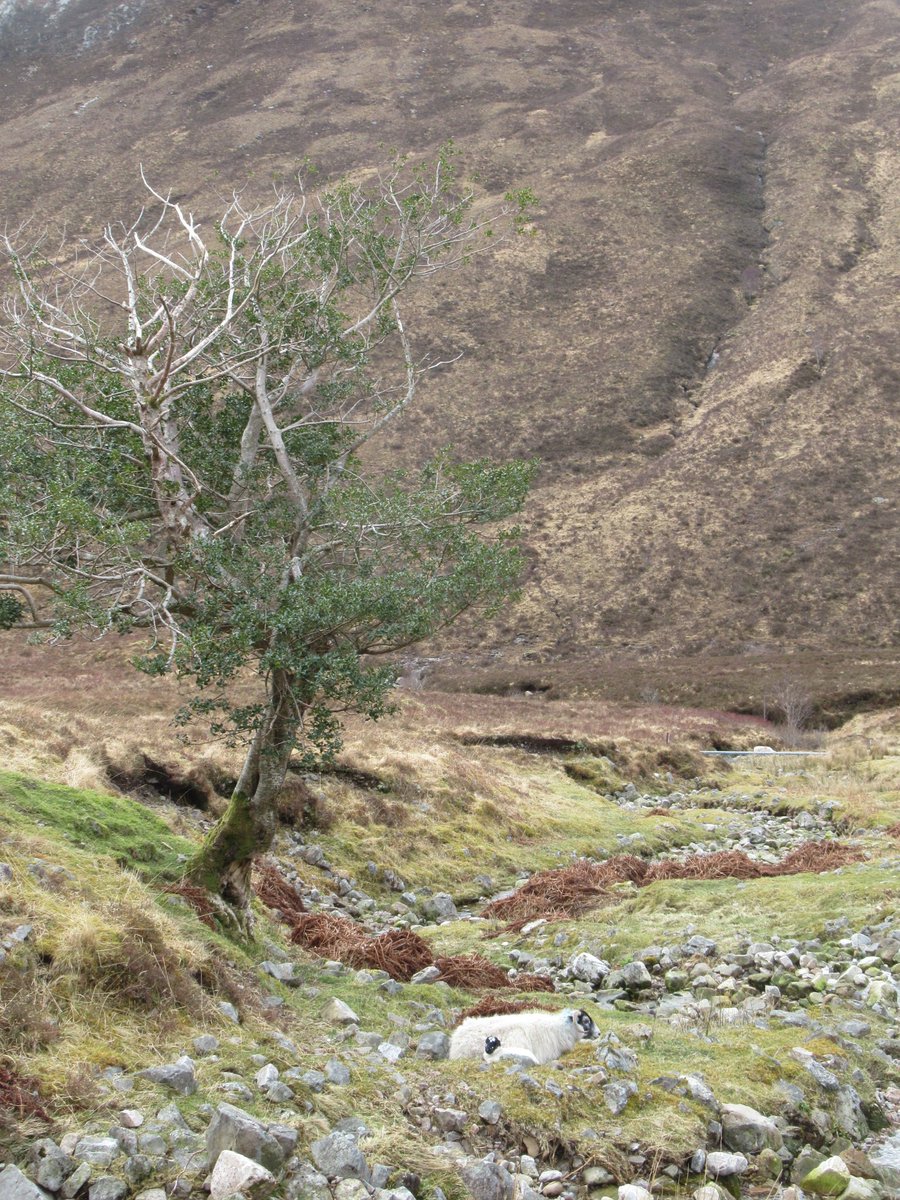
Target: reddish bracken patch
[277,893]
[402,953]
[491,1006]
[893,831]
[20,1095]
[563,894]
[474,971]
[198,899]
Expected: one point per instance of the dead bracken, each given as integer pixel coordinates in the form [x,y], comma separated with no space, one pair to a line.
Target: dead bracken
[19,1095]
[564,893]
[277,893]
[402,953]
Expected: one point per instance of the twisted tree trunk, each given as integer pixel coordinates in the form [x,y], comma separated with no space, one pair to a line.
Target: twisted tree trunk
[223,865]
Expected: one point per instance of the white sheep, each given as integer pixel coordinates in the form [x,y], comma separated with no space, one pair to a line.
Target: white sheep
[541,1035]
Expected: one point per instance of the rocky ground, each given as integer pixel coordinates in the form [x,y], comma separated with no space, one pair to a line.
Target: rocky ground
[737,1056]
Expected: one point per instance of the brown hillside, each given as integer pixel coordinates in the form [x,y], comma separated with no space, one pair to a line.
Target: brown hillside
[699,341]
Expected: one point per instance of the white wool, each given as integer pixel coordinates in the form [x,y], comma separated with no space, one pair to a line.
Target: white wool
[543,1035]
[511,1053]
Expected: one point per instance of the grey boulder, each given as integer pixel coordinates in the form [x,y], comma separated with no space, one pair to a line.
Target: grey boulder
[747,1131]
[338,1156]
[235,1173]
[487,1181]
[233,1129]
[16,1186]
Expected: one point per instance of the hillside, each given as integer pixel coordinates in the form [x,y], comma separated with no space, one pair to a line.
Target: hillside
[746,999]
[699,341]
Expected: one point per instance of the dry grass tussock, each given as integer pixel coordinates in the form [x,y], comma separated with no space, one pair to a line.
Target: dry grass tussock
[567,892]
[402,953]
[121,950]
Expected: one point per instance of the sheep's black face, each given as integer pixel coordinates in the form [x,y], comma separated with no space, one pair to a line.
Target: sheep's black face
[586,1024]
[491,1044]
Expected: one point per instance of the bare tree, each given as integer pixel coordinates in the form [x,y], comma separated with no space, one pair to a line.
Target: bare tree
[793,700]
[182,411]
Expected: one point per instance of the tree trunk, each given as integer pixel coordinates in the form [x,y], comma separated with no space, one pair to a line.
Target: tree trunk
[223,864]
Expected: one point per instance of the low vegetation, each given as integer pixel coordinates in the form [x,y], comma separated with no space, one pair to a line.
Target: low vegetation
[118,972]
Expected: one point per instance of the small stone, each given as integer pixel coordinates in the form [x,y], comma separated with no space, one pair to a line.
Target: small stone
[266,1075]
[282,971]
[351,1189]
[721,1165]
[178,1076]
[636,976]
[596,1177]
[233,1129]
[748,1131]
[487,1181]
[137,1168]
[205,1044]
[450,1120]
[390,1051]
[337,1073]
[314,1080]
[234,1173]
[427,975]
[107,1188]
[98,1151]
[440,907]
[339,1013]
[306,1183]
[434,1045]
[860,1189]
[633,1191]
[130,1118]
[616,1095]
[589,968]
[76,1180]
[554,1188]
[152,1194]
[229,1012]
[769,1164]
[490,1112]
[338,1156]
[52,1166]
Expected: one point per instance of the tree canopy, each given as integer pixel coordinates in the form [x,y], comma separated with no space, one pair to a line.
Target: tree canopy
[184,416]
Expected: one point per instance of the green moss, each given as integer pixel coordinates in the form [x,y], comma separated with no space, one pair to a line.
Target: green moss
[98,823]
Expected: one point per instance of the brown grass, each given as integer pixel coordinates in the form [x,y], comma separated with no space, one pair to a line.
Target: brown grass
[567,892]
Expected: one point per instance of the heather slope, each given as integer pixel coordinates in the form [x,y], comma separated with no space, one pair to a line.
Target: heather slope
[698,339]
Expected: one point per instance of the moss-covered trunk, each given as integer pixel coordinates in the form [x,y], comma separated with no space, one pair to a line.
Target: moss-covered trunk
[223,864]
